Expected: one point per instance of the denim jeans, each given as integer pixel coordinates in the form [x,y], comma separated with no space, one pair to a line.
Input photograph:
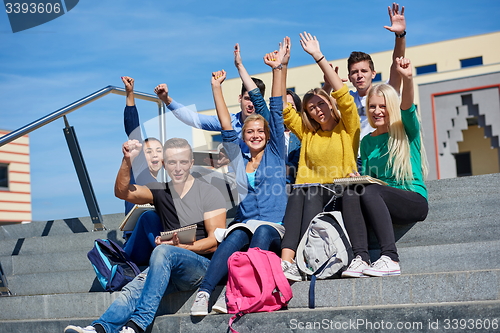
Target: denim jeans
[142,241]
[265,238]
[171,269]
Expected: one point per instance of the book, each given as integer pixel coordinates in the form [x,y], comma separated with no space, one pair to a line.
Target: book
[251,225]
[186,234]
[130,220]
[358,180]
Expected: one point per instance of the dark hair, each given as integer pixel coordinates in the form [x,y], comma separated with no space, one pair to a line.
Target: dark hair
[151,139]
[356,57]
[260,84]
[296,100]
[177,143]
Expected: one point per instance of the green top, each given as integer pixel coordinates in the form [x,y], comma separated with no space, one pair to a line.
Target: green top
[375,155]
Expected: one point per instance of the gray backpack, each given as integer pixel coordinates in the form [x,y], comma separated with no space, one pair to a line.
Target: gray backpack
[324,250]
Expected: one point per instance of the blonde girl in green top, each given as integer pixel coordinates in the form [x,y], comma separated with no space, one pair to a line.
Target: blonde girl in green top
[394,153]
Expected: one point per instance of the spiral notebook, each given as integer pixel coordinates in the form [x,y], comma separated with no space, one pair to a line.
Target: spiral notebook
[186,234]
[358,180]
[130,220]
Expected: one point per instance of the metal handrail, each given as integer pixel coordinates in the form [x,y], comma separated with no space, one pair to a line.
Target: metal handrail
[72,107]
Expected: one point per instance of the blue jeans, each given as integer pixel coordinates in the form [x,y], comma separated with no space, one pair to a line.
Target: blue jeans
[265,238]
[142,241]
[171,269]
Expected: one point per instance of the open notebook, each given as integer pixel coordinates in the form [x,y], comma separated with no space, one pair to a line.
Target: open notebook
[130,220]
[358,180]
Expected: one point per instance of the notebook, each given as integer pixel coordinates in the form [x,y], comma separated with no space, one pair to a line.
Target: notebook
[358,180]
[186,234]
[130,220]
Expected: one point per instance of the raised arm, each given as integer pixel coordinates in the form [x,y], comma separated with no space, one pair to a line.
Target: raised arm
[284,53]
[161,91]
[220,104]
[129,90]
[245,77]
[403,66]
[398,26]
[273,60]
[133,193]
[310,44]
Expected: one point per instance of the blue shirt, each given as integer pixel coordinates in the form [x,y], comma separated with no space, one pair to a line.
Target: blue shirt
[211,123]
[266,201]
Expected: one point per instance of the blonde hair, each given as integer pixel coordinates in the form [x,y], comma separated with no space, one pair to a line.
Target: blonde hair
[398,144]
[257,117]
[310,123]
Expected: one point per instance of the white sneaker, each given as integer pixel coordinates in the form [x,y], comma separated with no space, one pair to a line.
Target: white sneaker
[291,271]
[356,268]
[220,306]
[200,305]
[384,266]
[126,329]
[78,329]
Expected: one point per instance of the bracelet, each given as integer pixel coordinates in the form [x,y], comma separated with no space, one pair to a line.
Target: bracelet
[402,34]
[280,66]
[317,61]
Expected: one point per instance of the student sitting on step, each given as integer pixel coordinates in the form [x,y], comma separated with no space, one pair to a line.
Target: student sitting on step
[173,266]
[394,153]
[260,176]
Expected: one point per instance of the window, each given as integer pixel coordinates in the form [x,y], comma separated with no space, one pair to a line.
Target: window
[464,165]
[378,77]
[477,61]
[292,89]
[4,175]
[216,140]
[426,69]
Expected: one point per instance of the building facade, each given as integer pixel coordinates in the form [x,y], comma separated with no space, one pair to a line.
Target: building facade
[15,183]
[457,90]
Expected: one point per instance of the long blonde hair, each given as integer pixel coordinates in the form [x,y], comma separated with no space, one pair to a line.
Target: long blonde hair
[398,144]
[310,123]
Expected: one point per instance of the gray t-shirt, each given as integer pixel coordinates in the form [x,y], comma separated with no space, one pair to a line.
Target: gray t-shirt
[176,212]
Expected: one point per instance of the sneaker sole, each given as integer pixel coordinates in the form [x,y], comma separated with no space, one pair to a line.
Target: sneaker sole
[219,309]
[73,329]
[347,274]
[293,278]
[380,274]
[199,314]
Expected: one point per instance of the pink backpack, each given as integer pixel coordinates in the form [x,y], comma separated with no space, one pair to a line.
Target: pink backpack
[255,283]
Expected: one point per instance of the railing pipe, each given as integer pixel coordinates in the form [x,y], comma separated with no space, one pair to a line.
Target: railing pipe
[70,108]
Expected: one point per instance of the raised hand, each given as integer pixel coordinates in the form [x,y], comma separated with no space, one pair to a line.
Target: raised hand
[237,56]
[398,21]
[219,77]
[284,51]
[403,65]
[272,59]
[131,149]
[129,83]
[310,44]
[161,91]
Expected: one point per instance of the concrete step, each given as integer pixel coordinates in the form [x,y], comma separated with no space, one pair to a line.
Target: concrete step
[425,318]
[73,272]
[407,289]
[57,227]
[57,243]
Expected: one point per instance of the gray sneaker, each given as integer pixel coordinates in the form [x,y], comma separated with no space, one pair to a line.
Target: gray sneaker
[200,305]
[220,306]
[291,271]
[78,329]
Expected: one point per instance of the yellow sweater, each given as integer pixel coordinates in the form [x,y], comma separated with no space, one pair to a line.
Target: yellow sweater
[325,155]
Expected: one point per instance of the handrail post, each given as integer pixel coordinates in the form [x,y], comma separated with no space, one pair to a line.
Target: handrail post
[162,131]
[83,176]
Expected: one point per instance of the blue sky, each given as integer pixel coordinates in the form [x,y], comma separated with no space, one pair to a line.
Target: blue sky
[179,43]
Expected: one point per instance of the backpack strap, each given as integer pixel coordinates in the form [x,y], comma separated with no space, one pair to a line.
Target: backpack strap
[262,262]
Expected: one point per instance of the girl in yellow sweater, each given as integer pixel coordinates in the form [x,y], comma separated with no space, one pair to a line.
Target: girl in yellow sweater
[329,135]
